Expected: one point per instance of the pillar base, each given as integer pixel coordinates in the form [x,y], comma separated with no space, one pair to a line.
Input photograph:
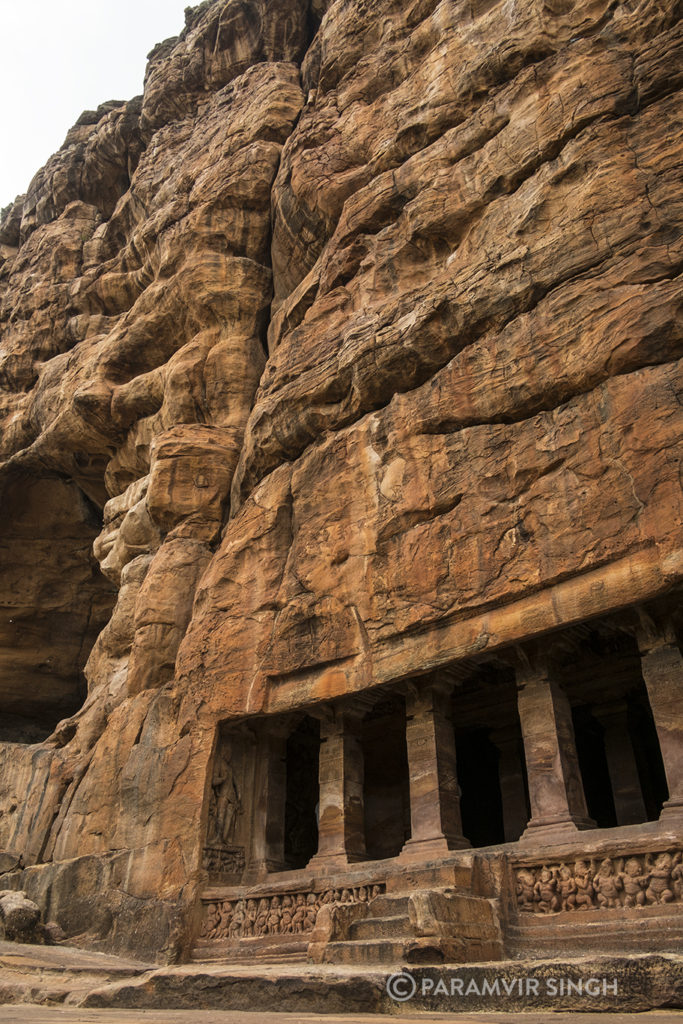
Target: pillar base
[672,813]
[326,861]
[434,847]
[555,829]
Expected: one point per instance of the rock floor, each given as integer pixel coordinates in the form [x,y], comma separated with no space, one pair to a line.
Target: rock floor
[53,1015]
[60,983]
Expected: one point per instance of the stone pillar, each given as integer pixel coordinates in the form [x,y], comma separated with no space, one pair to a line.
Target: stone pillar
[341,824]
[621,763]
[512,785]
[662,667]
[558,803]
[436,826]
[268,814]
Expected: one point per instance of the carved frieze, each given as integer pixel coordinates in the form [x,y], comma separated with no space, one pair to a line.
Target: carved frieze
[277,914]
[630,881]
[225,860]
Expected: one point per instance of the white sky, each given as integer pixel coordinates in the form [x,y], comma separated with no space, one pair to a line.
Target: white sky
[60,57]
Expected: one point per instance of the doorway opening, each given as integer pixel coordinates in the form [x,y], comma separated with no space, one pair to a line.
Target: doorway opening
[387,784]
[302,793]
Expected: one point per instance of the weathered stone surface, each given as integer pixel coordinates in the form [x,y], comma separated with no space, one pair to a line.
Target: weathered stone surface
[9,862]
[644,981]
[19,917]
[53,604]
[353,349]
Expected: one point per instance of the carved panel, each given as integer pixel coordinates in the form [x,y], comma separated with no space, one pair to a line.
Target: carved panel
[229,802]
[226,860]
[276,914]
[225,805]
[630,881]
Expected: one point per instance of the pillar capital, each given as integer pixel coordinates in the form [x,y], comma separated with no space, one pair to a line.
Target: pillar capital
[652,625]
[534,661]
[433,694]
[341,715]
[653,629]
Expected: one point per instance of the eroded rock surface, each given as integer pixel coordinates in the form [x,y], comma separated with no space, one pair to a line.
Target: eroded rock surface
[353,346]
[19,917]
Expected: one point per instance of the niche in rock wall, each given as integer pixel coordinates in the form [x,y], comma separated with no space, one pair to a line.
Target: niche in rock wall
[53,602]
[230,804]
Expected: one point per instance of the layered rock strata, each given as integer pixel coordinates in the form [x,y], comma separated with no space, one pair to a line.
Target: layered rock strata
[354,346]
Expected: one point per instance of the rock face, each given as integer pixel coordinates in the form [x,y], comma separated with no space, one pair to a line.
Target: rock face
[352,349]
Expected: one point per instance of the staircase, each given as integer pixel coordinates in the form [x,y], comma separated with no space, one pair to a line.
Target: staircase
[425,927]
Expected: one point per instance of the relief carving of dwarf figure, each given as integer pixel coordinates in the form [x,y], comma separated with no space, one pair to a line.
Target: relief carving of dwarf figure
[239,915]
[525,889]
[677,875]
[274,916]
[250,918]
[660,887]
[225,913]
[583,876]
[210,921]
[311,912]
[299,918]
[286,923]
[633,882]
[226,801]
[545,891]
[566,888]
[607,885]
[261,923]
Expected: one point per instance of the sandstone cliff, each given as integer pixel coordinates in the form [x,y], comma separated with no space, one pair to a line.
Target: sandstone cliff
[352,347]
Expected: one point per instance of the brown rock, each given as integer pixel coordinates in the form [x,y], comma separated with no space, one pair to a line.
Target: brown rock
[19,917]
[351,354]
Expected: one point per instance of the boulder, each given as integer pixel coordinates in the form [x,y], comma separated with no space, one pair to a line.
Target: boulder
[19,917]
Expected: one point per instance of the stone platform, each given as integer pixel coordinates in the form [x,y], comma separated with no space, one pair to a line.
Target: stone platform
[61,976]
[40,1015]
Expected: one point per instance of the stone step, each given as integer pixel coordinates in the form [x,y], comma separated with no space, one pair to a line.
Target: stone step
[239,957]
[381,927]
[650,934]
[261,951]
[384,951]
[387,905]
